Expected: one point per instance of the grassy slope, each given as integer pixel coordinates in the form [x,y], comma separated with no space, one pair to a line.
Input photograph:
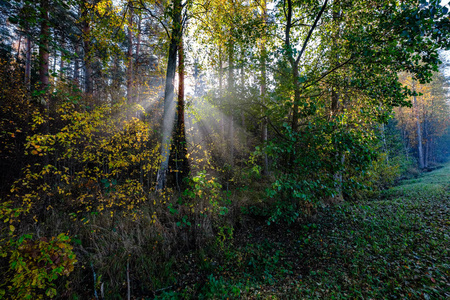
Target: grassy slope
[396,246]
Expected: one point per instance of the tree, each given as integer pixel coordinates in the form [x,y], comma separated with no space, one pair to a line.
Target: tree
[426,121]
[44,44]
[169,105]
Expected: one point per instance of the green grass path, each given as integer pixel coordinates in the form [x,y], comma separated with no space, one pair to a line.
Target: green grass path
[392,247]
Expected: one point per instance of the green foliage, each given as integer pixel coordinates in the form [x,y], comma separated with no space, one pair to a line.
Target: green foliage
[208,190]
[224,238]
[324,151]
[35,265]
[219,288]
[380,175]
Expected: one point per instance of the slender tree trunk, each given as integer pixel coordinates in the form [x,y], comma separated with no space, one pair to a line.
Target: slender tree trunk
[136,60]
[43,68]
[432,151]
[419,131]
[242,84]
[28,63]
[55,55]
[385,147]
[295,113]
[231,92]
[426,140]
[44,45]
[18,47]
[294,62]
[76,67]
[130,58]
[263,87]
[222,119]
[61,62]
[86,30]
[336,109]
[340,157]
[405,142]
[169,107]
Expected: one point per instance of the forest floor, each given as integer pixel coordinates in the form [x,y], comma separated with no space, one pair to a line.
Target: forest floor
[395,245]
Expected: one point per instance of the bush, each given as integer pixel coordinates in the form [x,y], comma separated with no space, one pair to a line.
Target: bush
[35,265]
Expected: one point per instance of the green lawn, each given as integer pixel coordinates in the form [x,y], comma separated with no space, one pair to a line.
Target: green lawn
[395,246]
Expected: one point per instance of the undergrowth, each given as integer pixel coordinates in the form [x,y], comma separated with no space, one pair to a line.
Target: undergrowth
[395,245]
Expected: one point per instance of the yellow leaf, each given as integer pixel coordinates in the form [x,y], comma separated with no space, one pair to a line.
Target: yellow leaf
[12,228]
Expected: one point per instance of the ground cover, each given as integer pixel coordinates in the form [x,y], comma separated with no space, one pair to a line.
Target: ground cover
[394,245]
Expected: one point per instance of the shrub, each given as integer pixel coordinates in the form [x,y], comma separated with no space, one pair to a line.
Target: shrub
[35,265]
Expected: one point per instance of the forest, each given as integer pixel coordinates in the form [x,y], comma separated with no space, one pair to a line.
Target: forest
[224,149]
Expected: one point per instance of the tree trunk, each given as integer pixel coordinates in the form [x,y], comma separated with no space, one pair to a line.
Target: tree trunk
[18,47]
[426,140]
[385,147]
[419,132]
[179,156]
[242,85]
[43,46]
[231,94]
[130,58]
[221,100]
[86,30]
[137,97]
[61,62]
[28,63]
[336,109]
[43,66]
[263,87]
[295,115]
[294,62]
[169,107]
[76,67]
[55,55]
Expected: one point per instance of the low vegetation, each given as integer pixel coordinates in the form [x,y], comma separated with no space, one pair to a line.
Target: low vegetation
[395,245]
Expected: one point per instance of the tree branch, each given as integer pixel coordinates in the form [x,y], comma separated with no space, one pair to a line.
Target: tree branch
[152,15]
[305,43]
